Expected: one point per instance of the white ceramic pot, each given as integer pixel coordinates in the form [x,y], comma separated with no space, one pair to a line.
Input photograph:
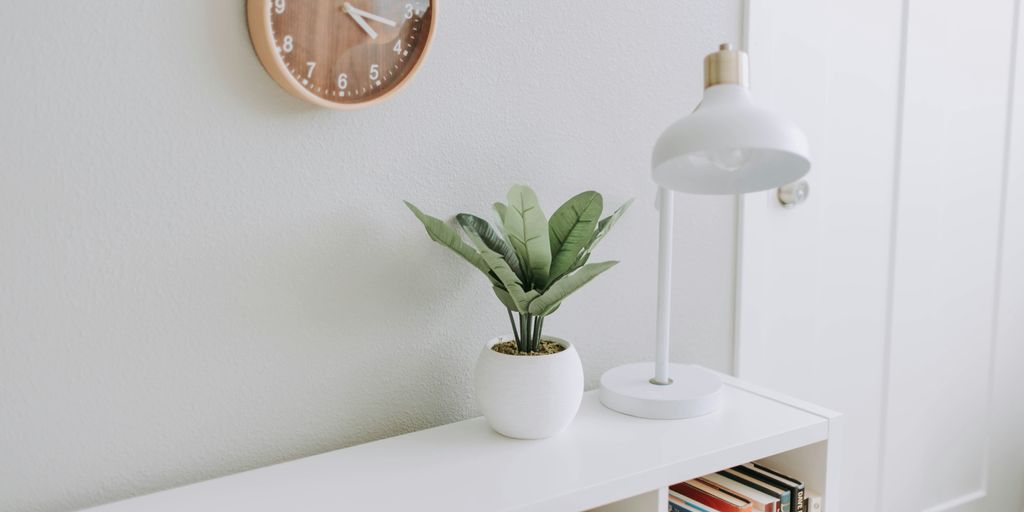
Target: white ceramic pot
[529,397]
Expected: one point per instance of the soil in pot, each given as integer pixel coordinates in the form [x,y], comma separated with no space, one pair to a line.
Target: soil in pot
[546,347]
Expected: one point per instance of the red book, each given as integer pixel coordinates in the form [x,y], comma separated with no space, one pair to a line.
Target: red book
[713,495]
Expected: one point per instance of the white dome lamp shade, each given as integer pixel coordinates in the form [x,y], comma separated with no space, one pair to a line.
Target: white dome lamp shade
[727,145]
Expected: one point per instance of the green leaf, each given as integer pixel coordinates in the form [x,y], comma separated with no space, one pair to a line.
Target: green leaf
[505,298]
[546,303]
[484,237]
[579,263]
[500,209]
[604,227]
[570,228]
[513,286]
[527,230]
[447,236]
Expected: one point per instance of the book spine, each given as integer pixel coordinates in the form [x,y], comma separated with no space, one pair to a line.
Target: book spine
[800,499]
[687,502]
[757,485]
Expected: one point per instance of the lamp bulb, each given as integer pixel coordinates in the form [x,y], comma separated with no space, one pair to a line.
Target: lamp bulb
[729,160]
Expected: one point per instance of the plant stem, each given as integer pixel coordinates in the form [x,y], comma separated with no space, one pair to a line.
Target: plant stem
[539,321]
[530,320]
[529,333]
[521,345]
[540,329]
[515,332]
[533,336]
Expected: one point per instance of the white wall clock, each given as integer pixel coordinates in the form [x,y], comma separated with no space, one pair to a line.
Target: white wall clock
[341,54]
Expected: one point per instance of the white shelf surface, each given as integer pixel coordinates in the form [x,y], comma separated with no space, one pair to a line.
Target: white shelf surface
[603,457]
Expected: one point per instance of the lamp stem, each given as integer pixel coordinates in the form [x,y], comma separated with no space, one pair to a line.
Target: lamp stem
[665,214]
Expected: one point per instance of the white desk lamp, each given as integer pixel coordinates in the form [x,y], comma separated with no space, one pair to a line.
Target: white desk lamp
[727,145]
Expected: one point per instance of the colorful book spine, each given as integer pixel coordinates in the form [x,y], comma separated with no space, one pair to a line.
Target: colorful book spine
[714,497]
[763,501]
[683,501]
[795,486]
[680,507]
[762,483]
[744,488]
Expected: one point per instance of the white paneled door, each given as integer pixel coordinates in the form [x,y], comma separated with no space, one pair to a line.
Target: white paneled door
[894,293]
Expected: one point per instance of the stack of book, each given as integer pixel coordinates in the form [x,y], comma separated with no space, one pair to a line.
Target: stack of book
[747,488]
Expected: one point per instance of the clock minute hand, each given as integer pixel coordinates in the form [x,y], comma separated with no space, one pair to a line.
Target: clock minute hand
[354,13]
[372,16]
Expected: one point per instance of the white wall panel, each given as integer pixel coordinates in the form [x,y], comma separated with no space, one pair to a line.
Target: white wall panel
[947,230]
[878,297]
[1006,441]
[814,278]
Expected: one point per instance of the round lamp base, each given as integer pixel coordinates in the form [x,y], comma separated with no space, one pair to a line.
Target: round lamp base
[693,392]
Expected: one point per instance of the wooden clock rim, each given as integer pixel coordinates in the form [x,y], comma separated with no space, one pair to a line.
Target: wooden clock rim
[261,35]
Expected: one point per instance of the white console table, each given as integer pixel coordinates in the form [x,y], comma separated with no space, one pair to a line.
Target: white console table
[604,461]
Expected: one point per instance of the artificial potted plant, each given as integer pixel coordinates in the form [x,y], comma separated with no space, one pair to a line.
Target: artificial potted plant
[529,385]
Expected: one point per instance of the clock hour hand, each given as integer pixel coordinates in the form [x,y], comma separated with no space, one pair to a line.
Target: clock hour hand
[370,15]
[359,20]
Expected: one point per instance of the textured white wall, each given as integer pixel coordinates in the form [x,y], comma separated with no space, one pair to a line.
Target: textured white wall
[201,275]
